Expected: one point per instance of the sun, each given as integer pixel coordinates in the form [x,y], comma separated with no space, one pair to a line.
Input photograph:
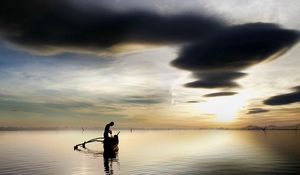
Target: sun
[225,108]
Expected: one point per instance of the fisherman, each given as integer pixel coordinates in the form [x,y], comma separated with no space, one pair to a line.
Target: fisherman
[107,130]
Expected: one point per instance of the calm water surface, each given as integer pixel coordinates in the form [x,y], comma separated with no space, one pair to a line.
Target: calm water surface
[152,152]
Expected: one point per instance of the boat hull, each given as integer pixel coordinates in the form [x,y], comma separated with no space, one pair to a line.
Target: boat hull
[111,144]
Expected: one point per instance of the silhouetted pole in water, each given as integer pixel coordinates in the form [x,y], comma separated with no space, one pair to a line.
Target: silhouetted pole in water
[264,130]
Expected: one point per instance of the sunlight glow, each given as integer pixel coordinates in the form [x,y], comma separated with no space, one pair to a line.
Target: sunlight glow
[226,108]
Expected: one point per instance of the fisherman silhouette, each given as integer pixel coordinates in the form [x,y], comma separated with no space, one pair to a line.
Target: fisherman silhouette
[107,130]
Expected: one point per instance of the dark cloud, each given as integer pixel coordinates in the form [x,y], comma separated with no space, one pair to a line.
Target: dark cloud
[193,101]
[233,49]
[285,99]
[211,84]
[55,26]
[58,25]
[215,80]
[257,110]
[217,94]
[237,47]
[296,88]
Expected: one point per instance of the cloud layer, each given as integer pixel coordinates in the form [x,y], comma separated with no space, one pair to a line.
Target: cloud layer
[215,79]
[285,99]
[237,47]
[233,49]
[56,25]
[213,51]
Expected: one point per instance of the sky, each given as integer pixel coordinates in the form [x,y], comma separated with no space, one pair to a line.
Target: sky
[149,64]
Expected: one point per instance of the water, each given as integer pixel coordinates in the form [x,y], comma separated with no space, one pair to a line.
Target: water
[152,152]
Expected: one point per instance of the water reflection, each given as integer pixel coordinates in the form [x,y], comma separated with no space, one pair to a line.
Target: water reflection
[110,158]
[157,152]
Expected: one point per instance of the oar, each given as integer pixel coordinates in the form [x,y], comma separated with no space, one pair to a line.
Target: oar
[96,139]
[92,140]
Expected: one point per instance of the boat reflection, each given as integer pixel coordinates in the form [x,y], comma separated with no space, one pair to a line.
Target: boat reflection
[110,158]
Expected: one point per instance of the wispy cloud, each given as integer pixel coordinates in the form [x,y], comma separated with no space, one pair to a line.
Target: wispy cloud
[257,110]
[218,94]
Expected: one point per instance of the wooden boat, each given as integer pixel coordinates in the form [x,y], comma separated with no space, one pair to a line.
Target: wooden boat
[111,144]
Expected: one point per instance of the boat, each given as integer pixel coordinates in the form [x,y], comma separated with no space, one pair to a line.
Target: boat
[110,147]
[111,144]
